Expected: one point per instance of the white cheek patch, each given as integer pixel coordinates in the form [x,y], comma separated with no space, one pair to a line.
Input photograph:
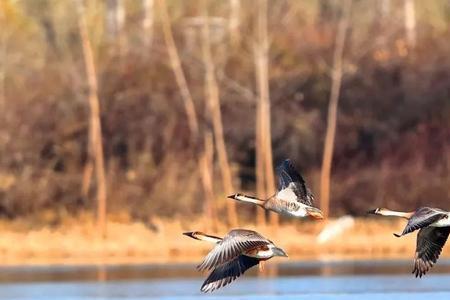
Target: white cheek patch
[265,254]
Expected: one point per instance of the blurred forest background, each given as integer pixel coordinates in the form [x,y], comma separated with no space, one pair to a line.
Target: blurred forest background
[156,110]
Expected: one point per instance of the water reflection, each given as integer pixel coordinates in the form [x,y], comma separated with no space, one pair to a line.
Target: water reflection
[103,273]
[316,280]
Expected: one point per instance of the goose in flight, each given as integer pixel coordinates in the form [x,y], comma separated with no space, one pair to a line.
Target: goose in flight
[293,198]
[233,254]
[434,227]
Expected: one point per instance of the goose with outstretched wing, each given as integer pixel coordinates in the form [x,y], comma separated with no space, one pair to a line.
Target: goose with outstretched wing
[233,254]
[434,227]
[293,197]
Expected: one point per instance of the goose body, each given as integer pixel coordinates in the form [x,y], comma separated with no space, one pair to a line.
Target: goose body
[233,254]
[434,228]
[293,198]
[445,222]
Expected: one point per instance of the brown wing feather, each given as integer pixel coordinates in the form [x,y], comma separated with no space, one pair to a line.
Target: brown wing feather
[423,217]
[289,178]
[430,241]
[228,272]
[235,243]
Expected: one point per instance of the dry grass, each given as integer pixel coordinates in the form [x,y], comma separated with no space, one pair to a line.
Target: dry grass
[75,241]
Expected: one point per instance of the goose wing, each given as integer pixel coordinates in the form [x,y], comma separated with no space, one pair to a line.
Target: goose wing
[423,217]
[291,184]
[430,241]
[228,272]
[233,244]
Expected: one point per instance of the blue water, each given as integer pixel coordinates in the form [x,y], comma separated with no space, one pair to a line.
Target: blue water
[332,282]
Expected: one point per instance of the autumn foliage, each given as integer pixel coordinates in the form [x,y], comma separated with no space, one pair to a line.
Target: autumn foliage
[392,145]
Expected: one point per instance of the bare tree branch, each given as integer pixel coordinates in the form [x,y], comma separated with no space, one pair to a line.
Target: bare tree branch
[333,107]
[264,137]
[410,22]
[212,94]
[147,22]
[178,71]
[206,162]
[95,123]
[234,22]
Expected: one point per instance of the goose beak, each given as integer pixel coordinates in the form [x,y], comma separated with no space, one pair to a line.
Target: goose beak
[373,211]
[232,196]
[189,234]
[314,212]
[279,252]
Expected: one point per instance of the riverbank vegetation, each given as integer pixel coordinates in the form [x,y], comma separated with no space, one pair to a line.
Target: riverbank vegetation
[75,241]
[198,99]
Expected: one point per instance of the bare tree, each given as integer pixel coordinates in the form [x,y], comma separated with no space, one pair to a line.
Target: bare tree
[212,95]
[381,24]
[96,148]
[206,162]
[385,8]
[264,137]
[2,60]
[234,22]
[259,148]
[178,70]
[88,167]
[115,21]
[448,170]
[410,22]
[333,107]
[115,18]
[148,21]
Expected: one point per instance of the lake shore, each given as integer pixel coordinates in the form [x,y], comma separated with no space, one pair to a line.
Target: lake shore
[76,242]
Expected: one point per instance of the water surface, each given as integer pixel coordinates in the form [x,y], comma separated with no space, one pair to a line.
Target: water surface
[301,280]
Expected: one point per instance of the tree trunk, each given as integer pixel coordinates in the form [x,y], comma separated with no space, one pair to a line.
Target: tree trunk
[148,22]
[212,96]
[234,22]
[205,161]
[381,23]
[332,108]
[448,171]
[265,139]
[259,148]
[385,9]
[206,176]
[88,167]
[178,71]
[259,139]
[2,61]
[410,22]
[115,18]
[95,123]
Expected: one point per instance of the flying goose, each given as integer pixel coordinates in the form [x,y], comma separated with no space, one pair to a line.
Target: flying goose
[434,227]
[293,198]
[233,254]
